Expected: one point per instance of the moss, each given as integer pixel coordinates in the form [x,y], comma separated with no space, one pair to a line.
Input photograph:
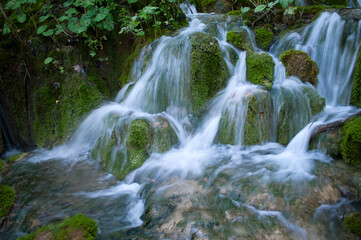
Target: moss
[329,142]
[208,69]
[260,68]
[78,227]
[353,223]
[329,2]
[264,37]
[298,63]
[2,146]
[17,157]
[240,39]
[356,86]
[2,166]
[351,142]
[7,198]
[317,103]
[203,5]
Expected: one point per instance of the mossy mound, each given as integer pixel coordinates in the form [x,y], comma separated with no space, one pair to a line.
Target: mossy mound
[264,37]
[260,69]
[131,144]
[257,122]
[351,142]
[356,86]
[78,227]
[353,223]
[208,69]
[7,198]
[298,63]
[240,39]
[58,110]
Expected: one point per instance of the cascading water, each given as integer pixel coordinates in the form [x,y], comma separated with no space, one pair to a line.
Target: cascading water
[239,191]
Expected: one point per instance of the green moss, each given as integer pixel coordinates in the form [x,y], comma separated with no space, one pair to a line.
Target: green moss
[263,37]
[298,63]
[203,5]
[78,227]
[240,40]
[351,142]
[2,166]
[353,223]
[7,198]
[17,157]
[260,68]
[329,142]
[1,142]
[208,69]
[356,86]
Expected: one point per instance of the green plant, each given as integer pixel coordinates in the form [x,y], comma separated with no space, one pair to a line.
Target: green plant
[7,198]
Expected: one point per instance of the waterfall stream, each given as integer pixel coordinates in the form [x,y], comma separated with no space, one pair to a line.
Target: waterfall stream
[206,179]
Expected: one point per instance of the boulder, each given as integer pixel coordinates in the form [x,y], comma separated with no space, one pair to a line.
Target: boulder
[299,64]
[264,38]
[240,39]
[208,69]
[260,69]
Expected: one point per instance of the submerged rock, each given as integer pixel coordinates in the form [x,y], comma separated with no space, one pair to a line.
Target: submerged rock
[208,69]
[328,142]
[264,37]
[131,144]
[356,86]
[260,69]
[252,128]
[79,227]
[240,39]
[299,64]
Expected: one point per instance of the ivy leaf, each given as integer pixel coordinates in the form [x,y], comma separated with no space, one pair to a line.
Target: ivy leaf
[43,18]
[260,8]
[109,23]
[290,10]
[285,3]
[92,53]
[71,11]
[6,29]
[48,60]
[21,18]
[41,29]
[132,1]
[63,18]
[13,4]
[49,32]
[103,13]
[92,11]
[244,9]
[68,3]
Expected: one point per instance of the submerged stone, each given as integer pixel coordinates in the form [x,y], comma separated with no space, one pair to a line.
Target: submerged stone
[208,69]
[131,144]
[240,39]
[79,227]
[260,69]
[299,64]
[252,128]
[356,85]
[264,37]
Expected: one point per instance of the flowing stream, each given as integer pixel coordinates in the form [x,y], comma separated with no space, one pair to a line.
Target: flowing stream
[201,188]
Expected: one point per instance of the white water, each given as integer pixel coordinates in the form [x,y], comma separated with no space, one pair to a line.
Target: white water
[160,88]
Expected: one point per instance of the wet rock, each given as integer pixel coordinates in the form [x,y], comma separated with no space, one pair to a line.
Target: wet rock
[260,68]
[351,141]
[18,157]
[129,146]
[257,122]
[208,69]
[328,142]
[353,14]
[2,146]
[356,86]
[240,39]
[264,37]
[298,63]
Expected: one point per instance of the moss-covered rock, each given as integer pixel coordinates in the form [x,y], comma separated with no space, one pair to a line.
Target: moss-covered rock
[7,198]
[131,144]
[240,39]
[253,128]
[351,141]
[18,157]
[298,63]
[260,68]
[208,69]
[328,142]
[217,6]
[2,146]
[2,166]
[356,85]
[264,37]
[79,227]
[353,223]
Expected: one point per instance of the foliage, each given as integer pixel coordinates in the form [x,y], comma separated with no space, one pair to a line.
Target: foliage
[353,223]
[351,142]
[89,20]
[79,225]
[7,198]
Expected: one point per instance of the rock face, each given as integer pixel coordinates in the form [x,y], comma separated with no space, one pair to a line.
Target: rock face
[240,39]
[356,86]
[264,37]
[260,69]
[129,146]
[257,121]
[299,64]
[208,69]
